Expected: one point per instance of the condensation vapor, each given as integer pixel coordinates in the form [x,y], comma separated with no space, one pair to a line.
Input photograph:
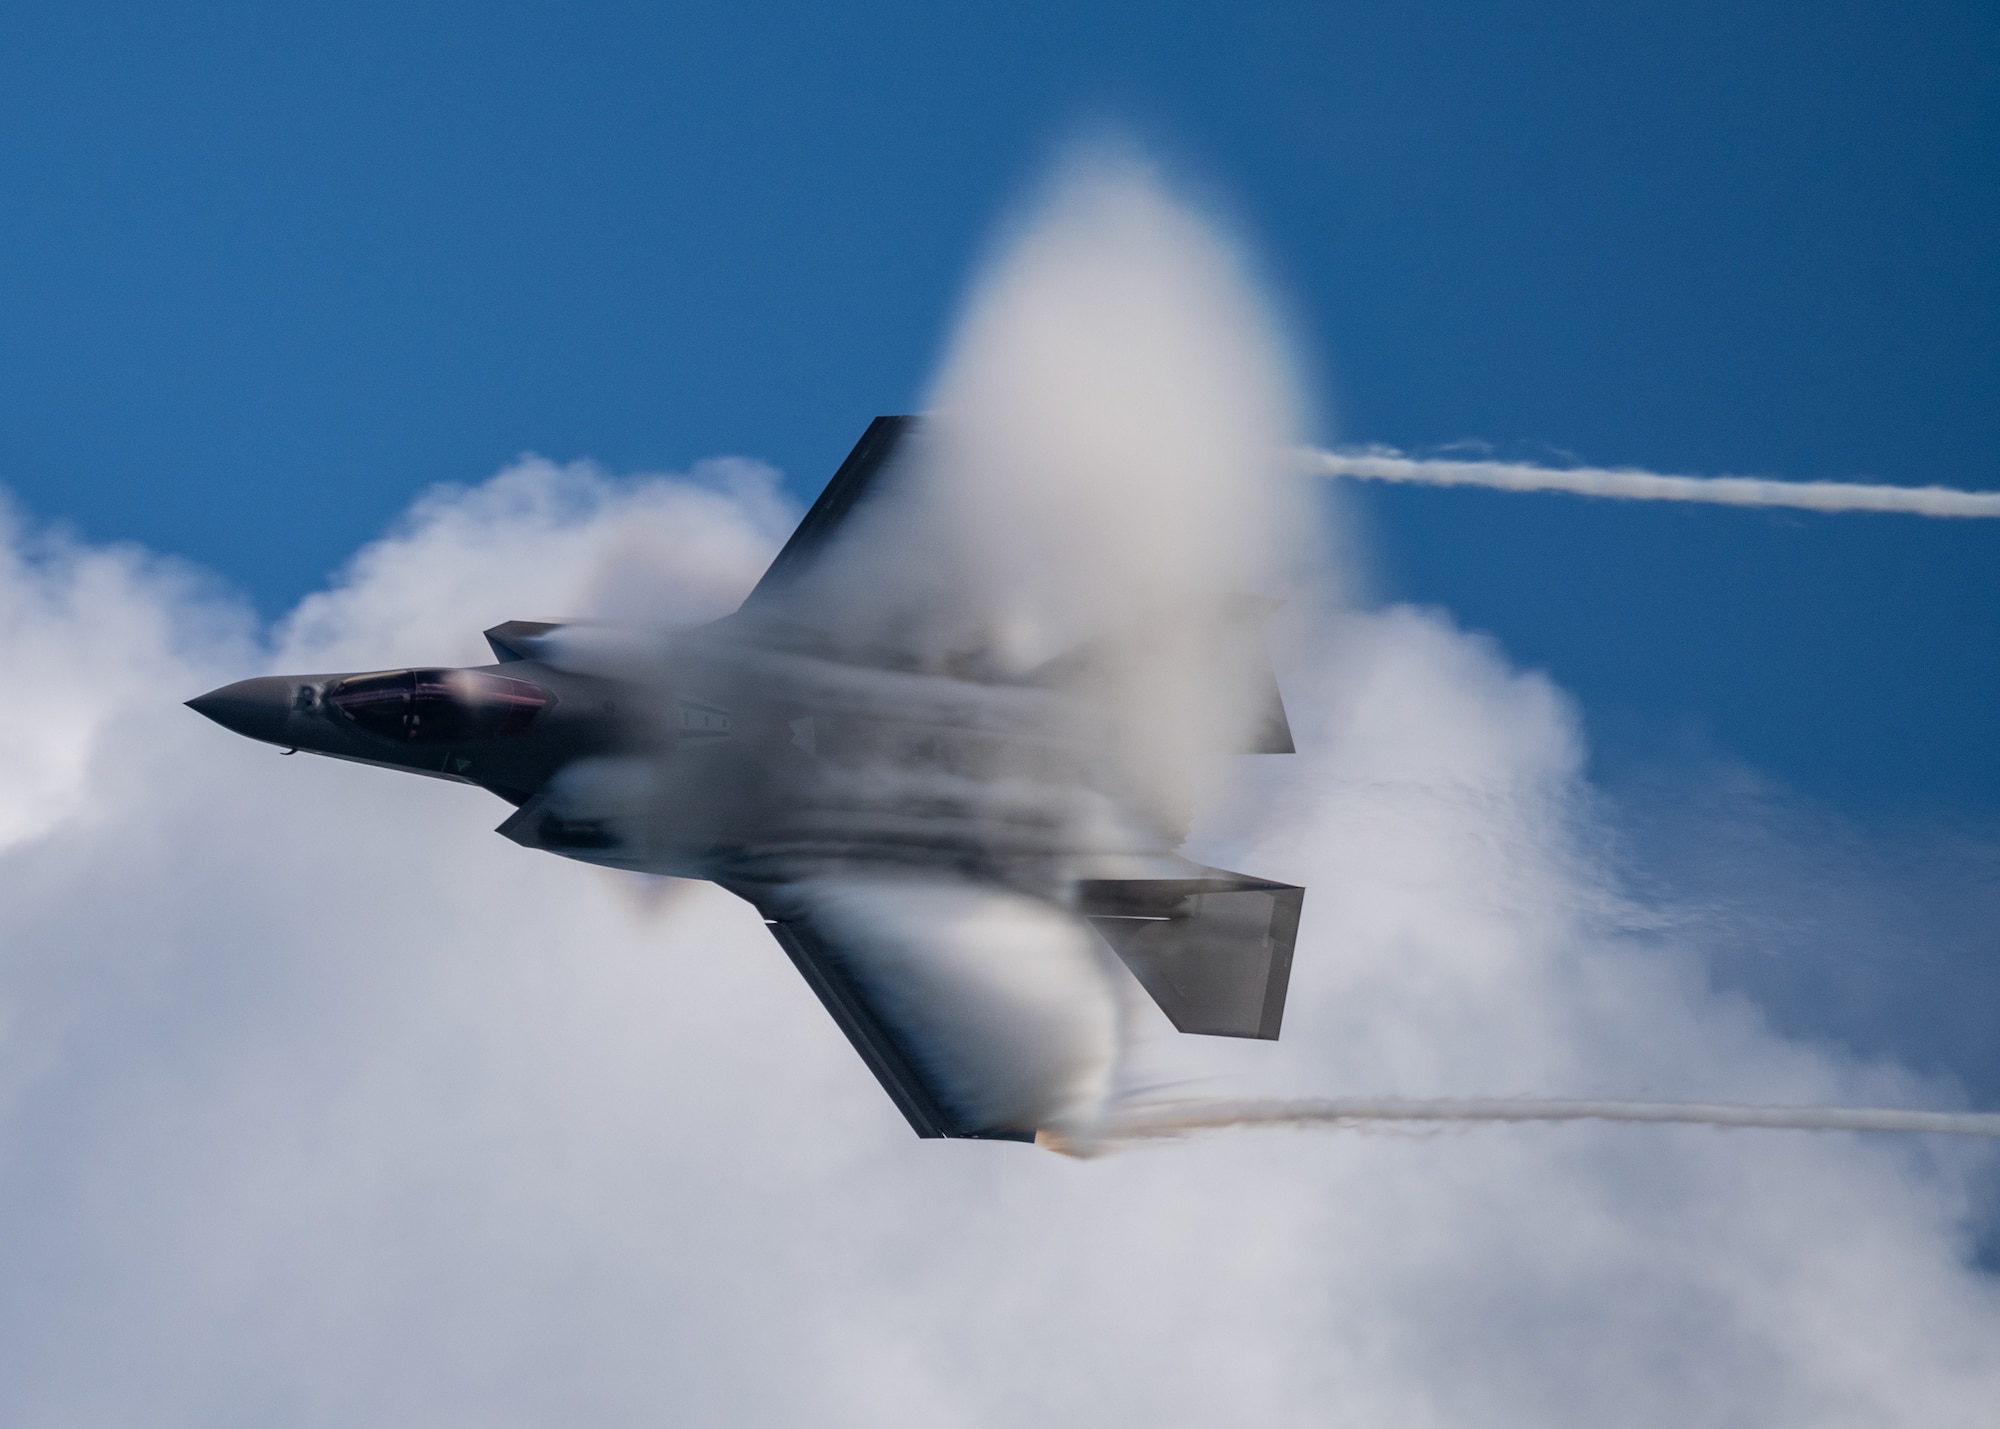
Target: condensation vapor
[1101,462]
[1168,1120]
[1054,569]
[1385,464]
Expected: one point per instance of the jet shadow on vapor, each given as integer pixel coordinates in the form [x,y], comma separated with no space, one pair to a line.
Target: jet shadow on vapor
[761,754]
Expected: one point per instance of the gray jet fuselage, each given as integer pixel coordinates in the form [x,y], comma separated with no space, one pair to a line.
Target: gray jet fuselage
[731,753]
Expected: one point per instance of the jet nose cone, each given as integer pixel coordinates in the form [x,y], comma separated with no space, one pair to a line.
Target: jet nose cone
[257,708]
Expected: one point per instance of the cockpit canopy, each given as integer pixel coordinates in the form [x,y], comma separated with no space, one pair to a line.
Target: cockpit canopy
[439,706]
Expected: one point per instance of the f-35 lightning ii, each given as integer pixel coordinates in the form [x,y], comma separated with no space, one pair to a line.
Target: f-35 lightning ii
[763,753]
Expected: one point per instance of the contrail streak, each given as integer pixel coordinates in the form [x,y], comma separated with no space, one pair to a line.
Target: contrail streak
[1382,464]
[1163,1120]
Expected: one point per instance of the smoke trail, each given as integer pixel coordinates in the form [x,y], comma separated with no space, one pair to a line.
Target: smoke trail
[1386,464]
[1174,1119]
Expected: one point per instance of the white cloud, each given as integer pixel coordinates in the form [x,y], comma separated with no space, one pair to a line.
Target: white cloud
[87,620]
[320,1105]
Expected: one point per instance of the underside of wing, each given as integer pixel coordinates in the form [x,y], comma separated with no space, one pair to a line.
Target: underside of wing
[886,1054]
[983,1013]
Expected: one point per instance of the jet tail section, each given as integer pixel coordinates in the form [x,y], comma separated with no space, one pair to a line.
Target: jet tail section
[1215,952]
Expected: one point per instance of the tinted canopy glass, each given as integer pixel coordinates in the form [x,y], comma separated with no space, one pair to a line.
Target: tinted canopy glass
[430,706]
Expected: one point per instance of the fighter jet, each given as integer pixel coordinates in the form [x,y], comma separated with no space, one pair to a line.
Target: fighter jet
[920,833]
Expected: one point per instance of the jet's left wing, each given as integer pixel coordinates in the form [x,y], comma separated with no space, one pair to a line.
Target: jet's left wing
[858,476]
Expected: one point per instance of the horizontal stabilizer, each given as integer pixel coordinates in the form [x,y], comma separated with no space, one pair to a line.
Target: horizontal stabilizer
[1215,952]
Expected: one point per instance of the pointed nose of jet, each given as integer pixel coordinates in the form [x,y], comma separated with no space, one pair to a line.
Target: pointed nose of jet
[258,708]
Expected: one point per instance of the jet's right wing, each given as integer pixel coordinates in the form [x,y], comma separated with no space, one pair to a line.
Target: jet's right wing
[827,971]
[987,1014]
[983,1013]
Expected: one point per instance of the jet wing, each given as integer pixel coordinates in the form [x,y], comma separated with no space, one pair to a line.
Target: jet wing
[826,969]
[858,475]
[1238,619]
[983,1013]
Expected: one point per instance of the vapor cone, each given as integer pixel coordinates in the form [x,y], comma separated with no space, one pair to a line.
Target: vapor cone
[1063,550]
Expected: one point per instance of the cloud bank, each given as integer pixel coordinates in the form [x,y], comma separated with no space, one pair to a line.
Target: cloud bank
[1386,464]
[320,1105]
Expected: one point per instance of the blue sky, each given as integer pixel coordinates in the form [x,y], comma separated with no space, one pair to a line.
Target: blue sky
[269,271]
